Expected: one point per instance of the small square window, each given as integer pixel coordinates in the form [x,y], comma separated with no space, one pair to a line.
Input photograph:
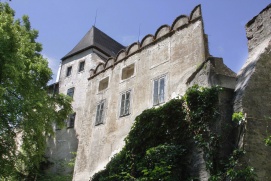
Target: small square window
[70,120]
[69,71]
[103,84]
[81,66]
[128,71]
[125,104]
[100,113]
[70,92]
[159,91]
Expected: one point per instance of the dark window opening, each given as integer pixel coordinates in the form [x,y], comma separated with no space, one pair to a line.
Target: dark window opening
[70,120]
[81,66]
[70,92]
[69,71]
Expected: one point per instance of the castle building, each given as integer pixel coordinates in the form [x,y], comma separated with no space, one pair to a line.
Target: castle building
[112,84]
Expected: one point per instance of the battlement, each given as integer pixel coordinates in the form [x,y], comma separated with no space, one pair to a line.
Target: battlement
[258,28]
[163,31]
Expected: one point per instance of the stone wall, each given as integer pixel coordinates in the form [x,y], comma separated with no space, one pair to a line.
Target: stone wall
[256,104]
[175,55]
[253,96]
[213,72]
[179,53]
[258,28]
[60,147]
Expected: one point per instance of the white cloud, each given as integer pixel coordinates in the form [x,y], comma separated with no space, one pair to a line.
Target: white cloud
[54,65]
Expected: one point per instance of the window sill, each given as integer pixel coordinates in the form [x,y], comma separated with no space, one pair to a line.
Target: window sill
[99,124]
[125,115]
[159,104]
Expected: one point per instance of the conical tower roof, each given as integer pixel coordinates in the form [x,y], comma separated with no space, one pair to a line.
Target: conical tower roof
[95,38]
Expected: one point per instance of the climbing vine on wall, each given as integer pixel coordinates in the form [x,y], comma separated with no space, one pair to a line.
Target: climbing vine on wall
[159,143]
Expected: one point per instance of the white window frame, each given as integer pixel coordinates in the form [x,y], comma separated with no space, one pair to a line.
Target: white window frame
[100,113]
[159,88]
[125,103]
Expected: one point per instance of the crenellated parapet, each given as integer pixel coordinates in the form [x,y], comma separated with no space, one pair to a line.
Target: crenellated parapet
[163,31]
[258,28]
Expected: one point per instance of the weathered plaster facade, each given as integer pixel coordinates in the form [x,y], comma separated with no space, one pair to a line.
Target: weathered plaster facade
[65,142]
[179,54]
[174,56]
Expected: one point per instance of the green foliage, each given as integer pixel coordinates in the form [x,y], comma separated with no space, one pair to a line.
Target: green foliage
[157,147]
[238,117]
[158,143]
[27,111]
[267,141]
[164,161]
[71,163]
[155,133]
[235,170]
[55,177]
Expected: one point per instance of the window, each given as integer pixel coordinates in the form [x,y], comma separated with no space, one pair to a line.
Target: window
[81,66]
[69,71]
[159,91]
[70,120]
[70,92]
[128,72]
[125,104]
[103,84]
[100,113]
[57,127]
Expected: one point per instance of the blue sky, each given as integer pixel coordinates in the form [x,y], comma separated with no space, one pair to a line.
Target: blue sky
[62,23]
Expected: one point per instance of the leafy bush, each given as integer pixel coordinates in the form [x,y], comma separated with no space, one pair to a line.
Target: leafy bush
[157,146]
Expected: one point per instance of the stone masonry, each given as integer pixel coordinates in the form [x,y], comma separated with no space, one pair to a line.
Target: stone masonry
[112,84]
[253,95]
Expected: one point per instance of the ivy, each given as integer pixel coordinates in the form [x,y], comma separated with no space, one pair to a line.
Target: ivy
[157,147]
[238,117]
[234,169]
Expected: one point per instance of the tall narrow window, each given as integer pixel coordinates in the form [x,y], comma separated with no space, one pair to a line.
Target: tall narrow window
[100,113]
[81,66]
[125,104]
[70,92]
[159,91]
[69,71]
[70,120]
